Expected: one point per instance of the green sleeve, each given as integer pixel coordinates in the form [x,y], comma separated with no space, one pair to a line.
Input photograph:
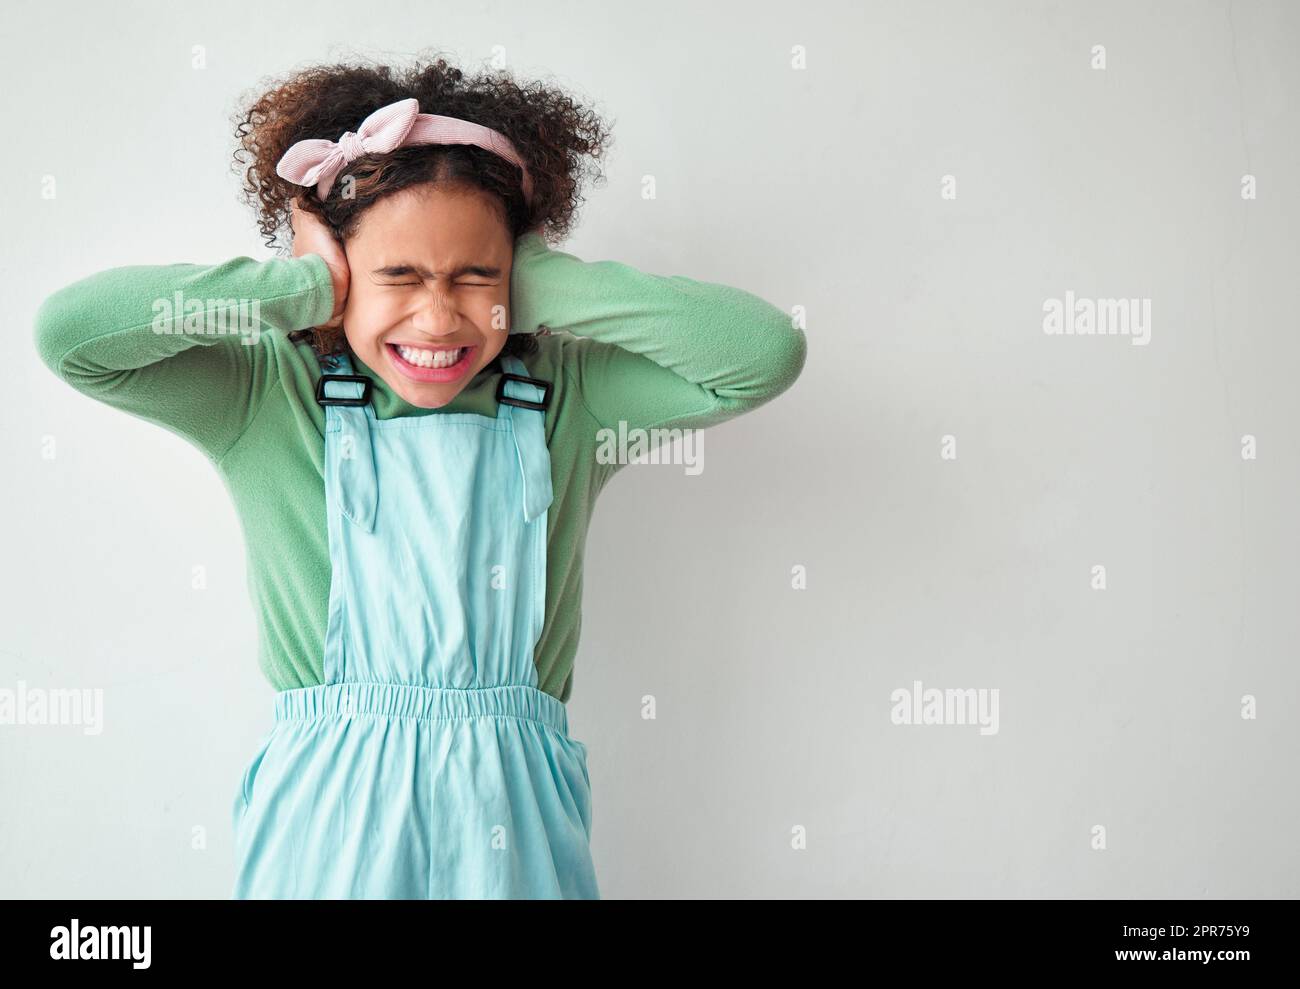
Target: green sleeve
[120,337]
[656,351]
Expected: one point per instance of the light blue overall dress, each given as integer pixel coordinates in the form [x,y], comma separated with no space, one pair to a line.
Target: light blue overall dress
[428,765]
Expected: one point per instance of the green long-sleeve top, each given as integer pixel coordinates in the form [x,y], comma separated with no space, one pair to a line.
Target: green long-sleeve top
[646,350]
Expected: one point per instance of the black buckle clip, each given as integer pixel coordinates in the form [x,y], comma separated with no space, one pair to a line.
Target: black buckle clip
[322,399]
[505,399]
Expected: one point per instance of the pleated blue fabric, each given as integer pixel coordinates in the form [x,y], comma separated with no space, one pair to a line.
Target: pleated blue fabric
[429,765]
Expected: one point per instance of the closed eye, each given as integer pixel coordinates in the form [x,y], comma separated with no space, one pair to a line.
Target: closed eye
[467,270]
[462,284]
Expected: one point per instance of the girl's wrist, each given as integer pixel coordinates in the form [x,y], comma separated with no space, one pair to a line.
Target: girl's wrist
[339,286]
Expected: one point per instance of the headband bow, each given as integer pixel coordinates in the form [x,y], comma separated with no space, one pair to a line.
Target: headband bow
[318,162]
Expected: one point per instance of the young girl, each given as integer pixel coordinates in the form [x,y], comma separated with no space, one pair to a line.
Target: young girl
[414,464]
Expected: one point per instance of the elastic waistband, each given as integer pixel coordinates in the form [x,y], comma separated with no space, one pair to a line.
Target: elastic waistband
[401,700]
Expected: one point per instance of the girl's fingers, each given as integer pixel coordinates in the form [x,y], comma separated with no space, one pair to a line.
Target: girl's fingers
[311,235]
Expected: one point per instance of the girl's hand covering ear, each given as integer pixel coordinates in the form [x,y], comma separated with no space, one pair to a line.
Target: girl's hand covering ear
[529,245]
[311,235]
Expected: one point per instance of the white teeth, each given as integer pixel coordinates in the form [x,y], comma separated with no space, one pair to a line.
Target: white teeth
[430,358]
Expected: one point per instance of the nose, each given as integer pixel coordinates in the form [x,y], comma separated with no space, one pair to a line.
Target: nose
[436,314]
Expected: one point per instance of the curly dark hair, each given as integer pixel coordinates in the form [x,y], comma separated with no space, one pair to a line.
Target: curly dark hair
[561,141]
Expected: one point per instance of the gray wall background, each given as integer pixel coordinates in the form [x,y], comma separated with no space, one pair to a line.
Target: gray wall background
[817,188]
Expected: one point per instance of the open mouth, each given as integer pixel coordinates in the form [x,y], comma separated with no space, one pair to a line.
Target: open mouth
[430,364]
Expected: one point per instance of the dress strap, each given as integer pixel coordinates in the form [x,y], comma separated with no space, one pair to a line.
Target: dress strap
[523,401]
[348,411]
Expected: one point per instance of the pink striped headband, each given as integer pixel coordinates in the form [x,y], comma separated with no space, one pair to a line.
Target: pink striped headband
[318,162]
